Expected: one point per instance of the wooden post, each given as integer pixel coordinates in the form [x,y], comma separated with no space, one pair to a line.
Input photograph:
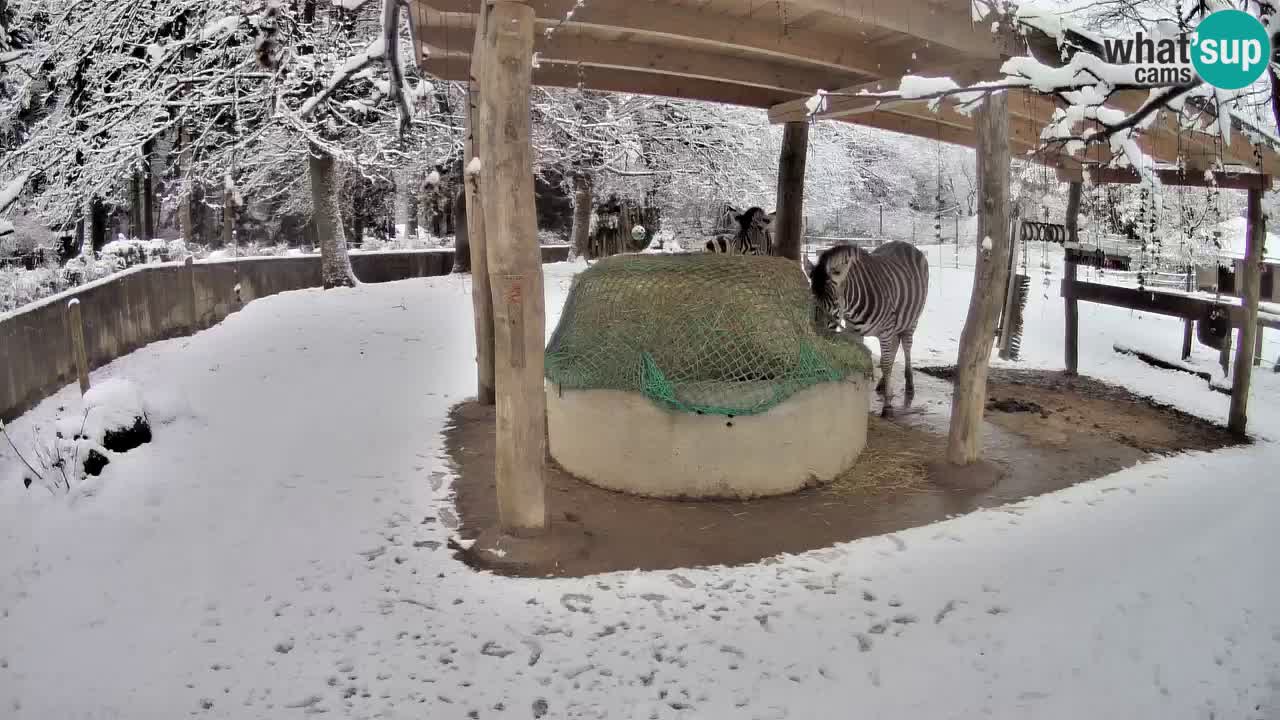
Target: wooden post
[1188,325]
[76,325]
[1257,347]
[481,295]
[964,440]
[189,277]
[1224,354]
[1250,289]
[1072,327]
[791,164]
[515,266]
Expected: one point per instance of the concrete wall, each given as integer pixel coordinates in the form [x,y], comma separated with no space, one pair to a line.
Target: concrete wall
[144,304]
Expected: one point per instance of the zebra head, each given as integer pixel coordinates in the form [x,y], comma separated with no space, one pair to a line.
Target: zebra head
[754,229]
[826,279]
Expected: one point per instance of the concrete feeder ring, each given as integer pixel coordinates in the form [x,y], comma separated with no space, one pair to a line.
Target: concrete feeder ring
[626,442]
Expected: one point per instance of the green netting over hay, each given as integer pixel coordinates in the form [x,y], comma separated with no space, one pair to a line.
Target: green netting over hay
[701,332]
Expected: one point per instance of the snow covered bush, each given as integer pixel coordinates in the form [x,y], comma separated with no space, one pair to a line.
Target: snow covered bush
[19,286]
[113,420]
[140,252]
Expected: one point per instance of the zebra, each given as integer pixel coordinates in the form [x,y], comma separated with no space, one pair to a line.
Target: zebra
[879,293]
[754,236]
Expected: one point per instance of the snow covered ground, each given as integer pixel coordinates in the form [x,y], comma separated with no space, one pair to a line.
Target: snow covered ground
[279,551]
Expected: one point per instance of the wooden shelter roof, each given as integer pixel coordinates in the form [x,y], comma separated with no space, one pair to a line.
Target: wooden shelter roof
[776,54]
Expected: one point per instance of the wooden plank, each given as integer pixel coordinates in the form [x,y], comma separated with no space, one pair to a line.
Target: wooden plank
[481,292]
[1237,417]
[1010,289]
[790,207]
[515,267]
[627,81]
[1111,175]
[657,20]
[1161,303]
[950,24]
[849,100]
[574,44]
[964,440]
[1072,327]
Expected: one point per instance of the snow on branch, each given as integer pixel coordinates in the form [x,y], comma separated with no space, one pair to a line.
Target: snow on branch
[1083,83]
[10,192]
[220,27]
[354,64]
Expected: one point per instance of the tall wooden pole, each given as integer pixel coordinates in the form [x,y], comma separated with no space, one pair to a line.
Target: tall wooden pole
[481,294]
[790,218]
[964,440]
[515,266]
[1072,223]
[1250,289]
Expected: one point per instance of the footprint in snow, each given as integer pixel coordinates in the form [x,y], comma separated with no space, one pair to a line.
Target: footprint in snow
[576,602]
[680,581]
[449,519]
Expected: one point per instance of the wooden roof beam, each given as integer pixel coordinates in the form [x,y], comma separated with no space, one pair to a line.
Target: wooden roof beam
[841,104]
[661,19]
[571,46]
[947,23]
[624,81]
[1127,176]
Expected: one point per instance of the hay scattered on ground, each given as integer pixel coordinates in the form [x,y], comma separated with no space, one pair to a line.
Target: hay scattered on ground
[893,462]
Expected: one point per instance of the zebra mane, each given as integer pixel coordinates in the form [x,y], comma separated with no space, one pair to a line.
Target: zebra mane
[820,278]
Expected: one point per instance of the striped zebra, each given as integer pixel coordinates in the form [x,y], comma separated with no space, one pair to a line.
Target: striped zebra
[754,236]
[879,293]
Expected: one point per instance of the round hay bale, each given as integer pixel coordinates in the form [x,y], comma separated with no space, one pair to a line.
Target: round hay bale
[702,375]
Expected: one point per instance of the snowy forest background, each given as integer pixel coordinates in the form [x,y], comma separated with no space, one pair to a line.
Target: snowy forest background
[173,126]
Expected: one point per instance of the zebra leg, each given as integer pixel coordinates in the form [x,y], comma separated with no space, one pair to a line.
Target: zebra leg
[888,349]
[909,383]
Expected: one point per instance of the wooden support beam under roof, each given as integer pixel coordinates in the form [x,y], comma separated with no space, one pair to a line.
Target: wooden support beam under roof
[842,104]
[625,81]
[1163,138]
[574,44]
[943,22]
[705,28]
[1169,176]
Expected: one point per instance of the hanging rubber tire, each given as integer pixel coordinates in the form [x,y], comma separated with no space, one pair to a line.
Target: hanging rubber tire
[1213,327]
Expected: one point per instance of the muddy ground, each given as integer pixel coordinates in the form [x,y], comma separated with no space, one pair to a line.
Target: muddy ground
[1044,430]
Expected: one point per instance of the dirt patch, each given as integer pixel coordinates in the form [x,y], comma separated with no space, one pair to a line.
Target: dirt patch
[1055,431]
[1056,409]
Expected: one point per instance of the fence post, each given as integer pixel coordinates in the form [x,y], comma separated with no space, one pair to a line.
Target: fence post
[76,325]
[189,277]
[1071,359]
[1257,347]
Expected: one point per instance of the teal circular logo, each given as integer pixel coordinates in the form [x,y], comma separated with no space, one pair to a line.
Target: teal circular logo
[1231,49]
